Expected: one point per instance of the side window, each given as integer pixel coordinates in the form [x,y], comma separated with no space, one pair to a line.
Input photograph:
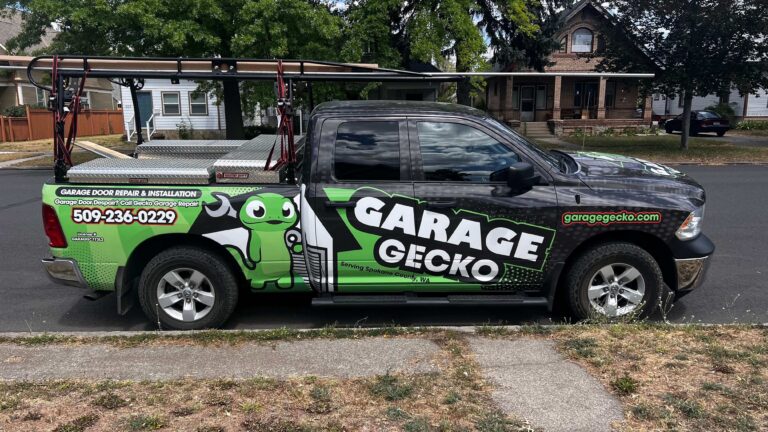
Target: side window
[367,150]
[457,152]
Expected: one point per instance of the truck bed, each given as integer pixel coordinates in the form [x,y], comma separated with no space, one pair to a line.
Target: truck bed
[194,162]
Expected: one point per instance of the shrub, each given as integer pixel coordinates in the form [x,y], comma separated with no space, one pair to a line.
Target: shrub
[185,131]
[752,125]
[15,111]
[724,109]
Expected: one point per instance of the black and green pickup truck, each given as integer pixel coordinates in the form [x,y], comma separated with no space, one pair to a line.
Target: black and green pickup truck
[393,203]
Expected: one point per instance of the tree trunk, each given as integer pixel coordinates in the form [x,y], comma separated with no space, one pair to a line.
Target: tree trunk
[687,103]
[233,111]
[463,87]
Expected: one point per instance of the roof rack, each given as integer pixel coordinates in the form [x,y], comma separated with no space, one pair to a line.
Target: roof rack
[132,71]
[217,68]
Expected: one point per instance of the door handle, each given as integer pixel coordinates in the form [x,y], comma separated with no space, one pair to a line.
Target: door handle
[441,204]
[340,204]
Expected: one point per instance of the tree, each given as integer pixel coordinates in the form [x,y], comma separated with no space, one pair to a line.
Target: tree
[394,32]
[189,28]
[695,47]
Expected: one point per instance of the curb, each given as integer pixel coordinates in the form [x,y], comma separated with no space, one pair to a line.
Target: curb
[460,329]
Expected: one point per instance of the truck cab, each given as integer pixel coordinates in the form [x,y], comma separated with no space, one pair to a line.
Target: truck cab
[393,203]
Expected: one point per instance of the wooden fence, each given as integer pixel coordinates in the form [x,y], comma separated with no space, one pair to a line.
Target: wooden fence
[38,124]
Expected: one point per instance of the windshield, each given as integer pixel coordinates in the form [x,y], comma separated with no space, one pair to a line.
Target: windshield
[525,142]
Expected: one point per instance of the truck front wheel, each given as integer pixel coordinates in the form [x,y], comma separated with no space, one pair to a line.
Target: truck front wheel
[614,280]
[187,288]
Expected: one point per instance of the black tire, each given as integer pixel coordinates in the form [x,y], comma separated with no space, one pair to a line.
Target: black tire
[579,277]
[222,283]
[721,133]
[669,129]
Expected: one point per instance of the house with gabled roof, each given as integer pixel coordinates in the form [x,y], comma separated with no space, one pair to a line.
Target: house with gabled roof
[571,94]
[15,88]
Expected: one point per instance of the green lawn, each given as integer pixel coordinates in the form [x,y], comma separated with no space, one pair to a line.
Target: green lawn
[666,148]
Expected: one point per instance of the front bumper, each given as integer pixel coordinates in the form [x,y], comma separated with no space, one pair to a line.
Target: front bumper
[691,273]
[64,271]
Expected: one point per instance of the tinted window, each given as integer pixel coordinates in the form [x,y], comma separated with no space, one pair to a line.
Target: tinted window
[457,152]
[367,150]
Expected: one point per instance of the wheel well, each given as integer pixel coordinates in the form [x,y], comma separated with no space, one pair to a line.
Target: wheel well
[148,249]
[652,244]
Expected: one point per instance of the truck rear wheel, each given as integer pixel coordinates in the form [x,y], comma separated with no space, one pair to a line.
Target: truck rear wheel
[614,280]
[187,288]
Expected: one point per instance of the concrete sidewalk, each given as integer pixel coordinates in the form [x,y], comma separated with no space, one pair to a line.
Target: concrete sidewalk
[342,358]
[534,382]
[530,379]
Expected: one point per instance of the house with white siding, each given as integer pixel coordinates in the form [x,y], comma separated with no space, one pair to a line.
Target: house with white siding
[167,108]
[749,107]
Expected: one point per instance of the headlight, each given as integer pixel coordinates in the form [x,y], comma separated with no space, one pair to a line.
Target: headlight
[691,227]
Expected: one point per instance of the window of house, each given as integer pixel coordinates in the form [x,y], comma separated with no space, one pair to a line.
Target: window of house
[85,101]
[680,101]
[582,41]
[656,96]
[171,103]
[563,45]
[515,97]
[198,103]
[42,97]
[367,150]
[458,152]
[610,94]
[541,97]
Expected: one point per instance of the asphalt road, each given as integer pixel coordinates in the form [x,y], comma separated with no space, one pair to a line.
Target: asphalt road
[736,289]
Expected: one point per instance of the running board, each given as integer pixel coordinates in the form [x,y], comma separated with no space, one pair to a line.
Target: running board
[412,300]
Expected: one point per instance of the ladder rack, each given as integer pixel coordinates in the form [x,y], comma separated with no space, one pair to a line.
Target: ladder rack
[66,70]
[216,68]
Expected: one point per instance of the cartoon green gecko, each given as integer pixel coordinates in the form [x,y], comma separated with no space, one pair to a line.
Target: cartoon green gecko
[268,216]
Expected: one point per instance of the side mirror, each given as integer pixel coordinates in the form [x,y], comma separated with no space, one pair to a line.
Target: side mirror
[520,177]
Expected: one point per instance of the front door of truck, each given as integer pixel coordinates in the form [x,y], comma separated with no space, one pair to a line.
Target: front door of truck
[362,164]
[479,234]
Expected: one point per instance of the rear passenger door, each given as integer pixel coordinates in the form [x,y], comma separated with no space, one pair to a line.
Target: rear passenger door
[489,237]
[361,159]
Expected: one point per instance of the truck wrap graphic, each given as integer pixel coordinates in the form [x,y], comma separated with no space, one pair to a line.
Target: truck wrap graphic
[395,236]
[259,227]
[378,240]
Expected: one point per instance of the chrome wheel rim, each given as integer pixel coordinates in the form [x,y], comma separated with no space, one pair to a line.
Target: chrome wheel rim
[616,289]
[185,294]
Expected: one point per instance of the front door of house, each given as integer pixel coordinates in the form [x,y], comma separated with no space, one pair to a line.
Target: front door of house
[585,99]
[145,107]
[527,103]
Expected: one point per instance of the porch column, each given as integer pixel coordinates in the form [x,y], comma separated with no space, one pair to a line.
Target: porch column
[648,110]
[556,105]
[601,99]
[507,112]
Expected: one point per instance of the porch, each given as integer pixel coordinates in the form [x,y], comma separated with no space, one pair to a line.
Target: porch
[567,102]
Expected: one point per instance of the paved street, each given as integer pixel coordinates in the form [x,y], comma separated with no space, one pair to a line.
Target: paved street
[736,221]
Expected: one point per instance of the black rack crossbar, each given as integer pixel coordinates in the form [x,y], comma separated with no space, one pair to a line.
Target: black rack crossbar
[218,68]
